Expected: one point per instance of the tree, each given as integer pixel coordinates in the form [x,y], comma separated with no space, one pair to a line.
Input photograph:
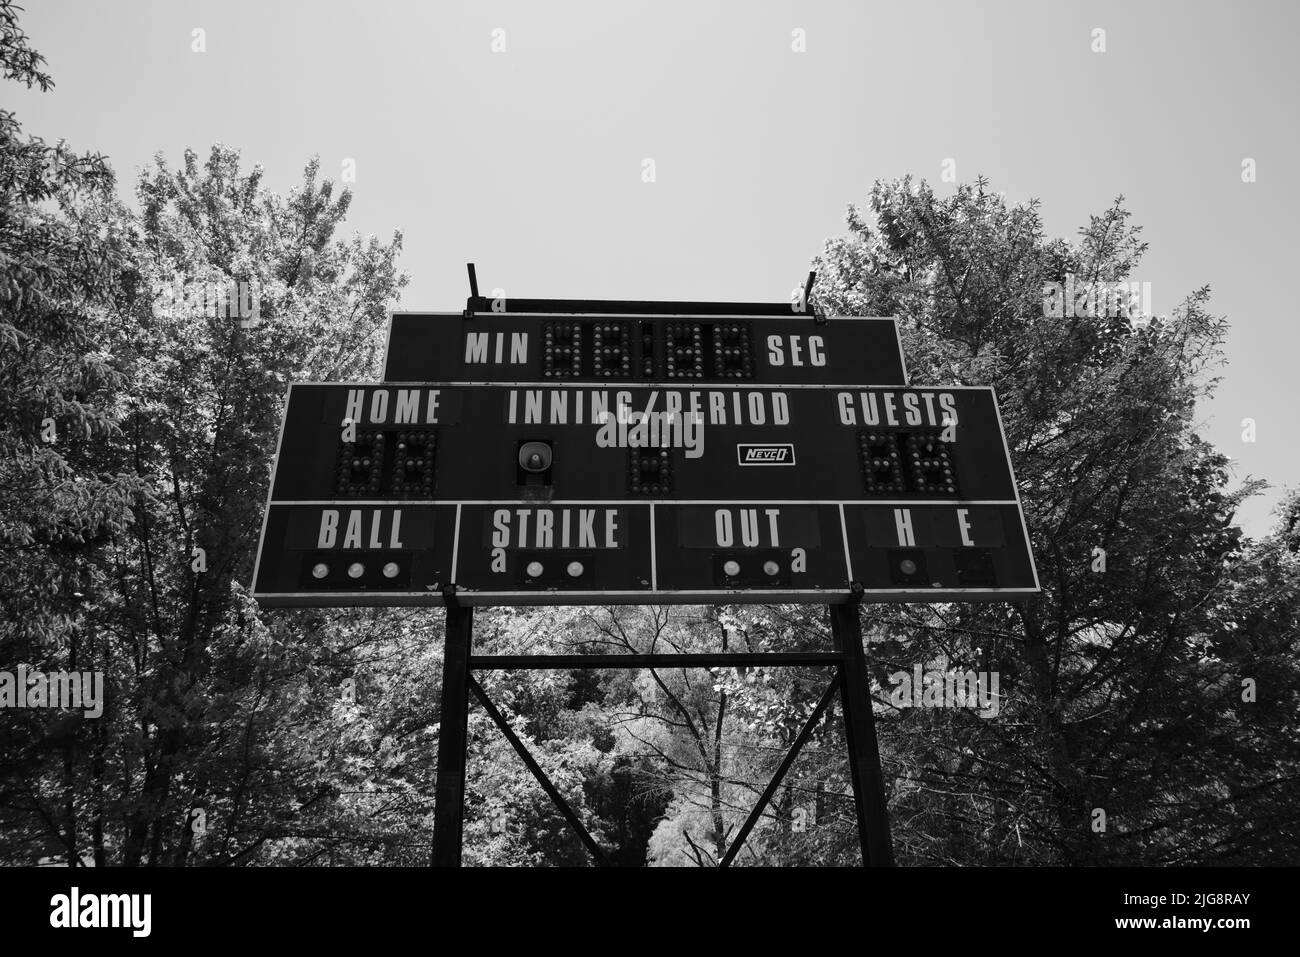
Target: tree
[202,692]
[65,268]
[1106,688]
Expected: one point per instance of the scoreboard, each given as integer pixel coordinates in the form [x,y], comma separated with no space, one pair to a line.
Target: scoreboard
[580,459]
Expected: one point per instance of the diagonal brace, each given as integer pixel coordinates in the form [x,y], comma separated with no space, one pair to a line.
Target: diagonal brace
[775,783]
[596,851]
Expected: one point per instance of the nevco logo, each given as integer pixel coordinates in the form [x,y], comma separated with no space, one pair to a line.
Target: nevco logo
[765,454]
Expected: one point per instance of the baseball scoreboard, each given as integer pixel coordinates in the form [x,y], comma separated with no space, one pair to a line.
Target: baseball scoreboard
[577,458]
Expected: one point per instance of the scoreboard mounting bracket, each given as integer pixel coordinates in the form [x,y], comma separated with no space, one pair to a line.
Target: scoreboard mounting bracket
[473,291]
[818,317]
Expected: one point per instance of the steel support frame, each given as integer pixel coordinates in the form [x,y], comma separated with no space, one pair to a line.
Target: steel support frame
[850,680]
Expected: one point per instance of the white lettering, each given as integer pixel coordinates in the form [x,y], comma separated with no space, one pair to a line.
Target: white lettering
[476,347]
[903,521]
[329,524]
[963,523]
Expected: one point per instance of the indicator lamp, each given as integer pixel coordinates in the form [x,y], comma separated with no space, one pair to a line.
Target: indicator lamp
[731,568]
[534,569]
[574,569]
[390,570]
[771,568]
[356,570]
[320,570]
[907,566]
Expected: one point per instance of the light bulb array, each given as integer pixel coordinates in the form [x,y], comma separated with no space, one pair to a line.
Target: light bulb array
[395,465]
[894,463]
[650,472]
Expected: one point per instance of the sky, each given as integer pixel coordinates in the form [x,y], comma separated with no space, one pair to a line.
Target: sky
[515,135]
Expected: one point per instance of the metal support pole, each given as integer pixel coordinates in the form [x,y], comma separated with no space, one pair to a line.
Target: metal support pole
[453,733]
[860,732]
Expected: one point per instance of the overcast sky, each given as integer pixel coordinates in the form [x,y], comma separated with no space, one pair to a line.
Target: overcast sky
[529,161]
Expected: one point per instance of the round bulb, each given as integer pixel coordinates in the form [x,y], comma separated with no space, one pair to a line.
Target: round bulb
[731,568]
[320,570]
[356,570]
[534,569]
[908,566]
[390,570]
[771,567]
[574,569]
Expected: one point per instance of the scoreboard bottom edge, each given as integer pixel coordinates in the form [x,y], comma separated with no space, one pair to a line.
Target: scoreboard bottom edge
[560,597]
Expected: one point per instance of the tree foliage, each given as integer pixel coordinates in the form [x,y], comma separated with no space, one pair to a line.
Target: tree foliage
[1121,693]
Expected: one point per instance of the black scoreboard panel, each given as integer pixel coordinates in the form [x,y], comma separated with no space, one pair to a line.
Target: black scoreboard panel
[767,547]
[340,551]
[488,347]
[959,550]
[387,494]
[635,553]
[456,443]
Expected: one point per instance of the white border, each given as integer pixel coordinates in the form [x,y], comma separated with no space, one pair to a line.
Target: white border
[388,341]
[654,556]
[1015,487]
[902,359]
[410,502]
[615,385]
[844,538]
[270,490]
[642,597]
[640,315]
[455,546]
